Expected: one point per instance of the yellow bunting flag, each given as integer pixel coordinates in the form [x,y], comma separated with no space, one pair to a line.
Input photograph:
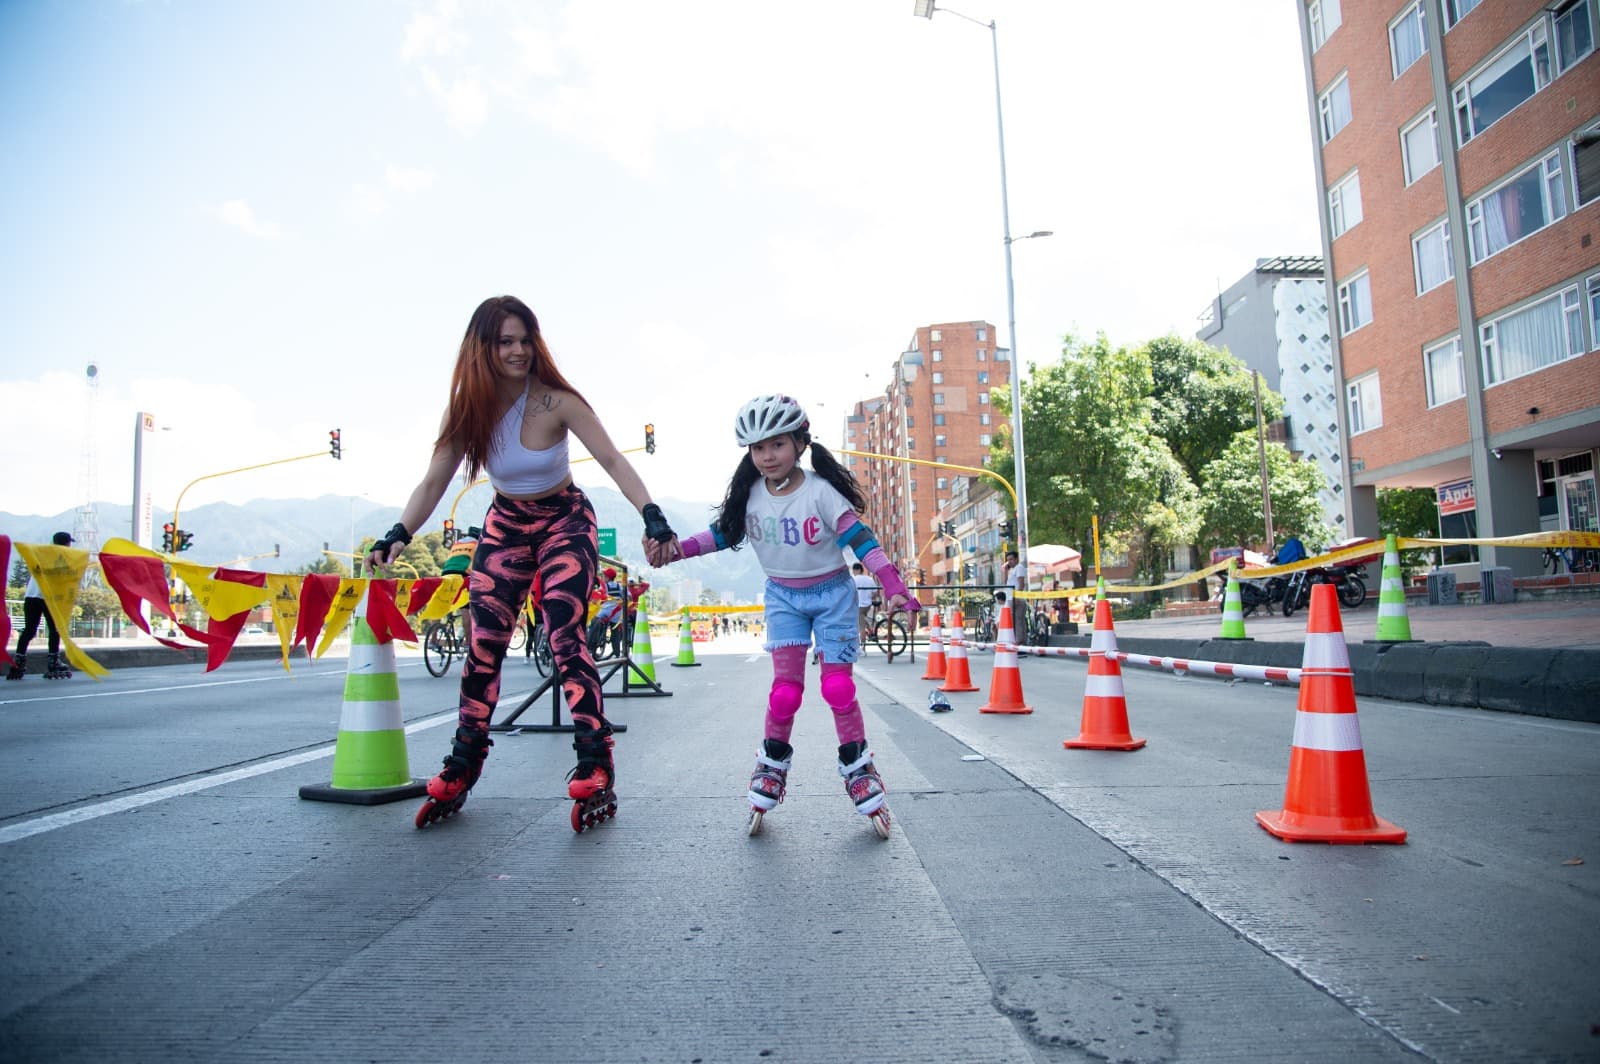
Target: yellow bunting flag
[59,572]
[444,598]
[220,598]
[284,594]
[345,601]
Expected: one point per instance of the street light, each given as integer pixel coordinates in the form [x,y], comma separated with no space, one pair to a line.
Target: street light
[925,9]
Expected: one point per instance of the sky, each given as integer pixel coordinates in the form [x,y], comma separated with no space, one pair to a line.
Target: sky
[260,221]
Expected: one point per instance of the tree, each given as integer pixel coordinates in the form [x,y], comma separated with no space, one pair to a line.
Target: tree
[1092,451]
[1413,513]
[1201,398]
[1231,487]
[19,574]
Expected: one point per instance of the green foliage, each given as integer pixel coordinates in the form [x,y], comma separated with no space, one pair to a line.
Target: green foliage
[1231,486]
[97,603]
[19,573]
[1414,513]
[1202,397]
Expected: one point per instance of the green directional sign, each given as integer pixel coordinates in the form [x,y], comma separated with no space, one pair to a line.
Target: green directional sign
[608,542]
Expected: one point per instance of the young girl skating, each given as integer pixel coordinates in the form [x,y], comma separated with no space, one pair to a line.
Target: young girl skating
[797,521]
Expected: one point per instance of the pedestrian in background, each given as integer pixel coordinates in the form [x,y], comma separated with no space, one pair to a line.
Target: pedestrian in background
[510,412]
[33,608]
[797,522]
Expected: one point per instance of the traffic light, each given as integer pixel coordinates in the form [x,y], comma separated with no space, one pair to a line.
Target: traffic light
[185,540]
[650,438]
[1006,531]
[167,537]
[449,537]
[333,443]
[947,528]
[968,571]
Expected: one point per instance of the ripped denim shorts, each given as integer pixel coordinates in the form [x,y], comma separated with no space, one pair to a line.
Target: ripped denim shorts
[822,615]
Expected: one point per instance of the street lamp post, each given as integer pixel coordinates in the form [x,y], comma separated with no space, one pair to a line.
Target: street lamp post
[925,9]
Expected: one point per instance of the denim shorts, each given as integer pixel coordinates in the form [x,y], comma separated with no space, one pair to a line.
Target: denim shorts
[823,615]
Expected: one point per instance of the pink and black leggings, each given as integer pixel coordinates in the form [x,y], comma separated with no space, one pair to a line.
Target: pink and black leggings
[555,537]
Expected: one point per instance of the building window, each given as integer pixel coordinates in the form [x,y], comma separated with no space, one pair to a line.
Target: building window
[1456,10]
[938,355]
[938,398]
[1519,207]
[938,419]
[984,438]
[1518,72]
[983,335]
[1532,338]
[911,422]
[1344,211]
[1419,145]
[935,335]
[1586,165]
[1355,303]
[1334,106]
[1430,252]
[1574,35]
[942,483]
[1366,412]
[1594,309]
[983,398]
[1324,16]
[983,376]
[983,419]
[939,441]
[1407,40]
[938,378]
[1447,379]
[983,355]
[911,445]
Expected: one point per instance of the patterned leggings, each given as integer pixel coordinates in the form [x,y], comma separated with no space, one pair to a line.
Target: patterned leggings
[554,536]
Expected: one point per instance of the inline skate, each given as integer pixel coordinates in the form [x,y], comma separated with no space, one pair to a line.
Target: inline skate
[447,792]
[592,781]
[19,666]
[770,779]
[57,668]
[864,786]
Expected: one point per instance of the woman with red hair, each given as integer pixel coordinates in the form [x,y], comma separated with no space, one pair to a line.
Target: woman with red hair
[510,413]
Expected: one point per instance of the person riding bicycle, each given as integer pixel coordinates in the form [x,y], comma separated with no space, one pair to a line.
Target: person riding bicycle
[866,594]
[608,614]
[458,562]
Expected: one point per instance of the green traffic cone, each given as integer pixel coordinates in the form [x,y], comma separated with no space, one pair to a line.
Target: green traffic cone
[369,757]
[643,657]
[1232,609]
[1393,624]
[685,643]
[1099,588]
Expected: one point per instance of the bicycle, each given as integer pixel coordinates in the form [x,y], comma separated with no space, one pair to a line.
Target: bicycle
[889,634]
[441,642]
[1576,559]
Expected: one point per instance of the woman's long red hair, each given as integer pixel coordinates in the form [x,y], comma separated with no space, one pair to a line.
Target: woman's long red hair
[474,397]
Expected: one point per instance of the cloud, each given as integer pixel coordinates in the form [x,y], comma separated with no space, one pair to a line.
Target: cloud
[435,33]
[370,200]
[464,99]
[241,216]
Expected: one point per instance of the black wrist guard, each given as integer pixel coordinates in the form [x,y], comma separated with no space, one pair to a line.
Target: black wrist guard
[397,534]
[655,523]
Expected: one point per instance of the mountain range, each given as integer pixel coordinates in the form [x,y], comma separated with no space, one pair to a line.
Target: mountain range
[299,530]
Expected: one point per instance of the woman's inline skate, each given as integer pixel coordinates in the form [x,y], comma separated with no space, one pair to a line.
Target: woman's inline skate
[57,668]
[864,786]
[592,782]
[770,779]
[447,792]
[19,666]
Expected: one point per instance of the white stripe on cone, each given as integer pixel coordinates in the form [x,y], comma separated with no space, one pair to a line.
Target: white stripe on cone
[1326,650]
[1326,731]
[1105,640]
[1103,686]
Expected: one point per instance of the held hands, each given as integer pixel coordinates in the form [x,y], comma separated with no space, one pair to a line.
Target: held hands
[386,550]
[660,542]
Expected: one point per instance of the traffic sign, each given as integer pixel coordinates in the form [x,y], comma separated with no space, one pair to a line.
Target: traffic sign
[608,541]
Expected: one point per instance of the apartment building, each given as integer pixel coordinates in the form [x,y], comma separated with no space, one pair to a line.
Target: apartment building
[1274,319]
[1458,154]
[935,411]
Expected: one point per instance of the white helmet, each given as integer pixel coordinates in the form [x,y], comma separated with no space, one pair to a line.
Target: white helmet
[767,416]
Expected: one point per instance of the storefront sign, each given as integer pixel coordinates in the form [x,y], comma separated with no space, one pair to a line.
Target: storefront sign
[1456,498]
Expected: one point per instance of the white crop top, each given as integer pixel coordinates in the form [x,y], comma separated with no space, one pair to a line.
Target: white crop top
[513,468]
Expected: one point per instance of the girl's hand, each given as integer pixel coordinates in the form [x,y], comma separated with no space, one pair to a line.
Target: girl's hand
[906,603]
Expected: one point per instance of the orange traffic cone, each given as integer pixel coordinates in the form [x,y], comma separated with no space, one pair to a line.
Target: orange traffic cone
[1327,798]
[1105,708]
[1005,684]
[957,677]
[936,663]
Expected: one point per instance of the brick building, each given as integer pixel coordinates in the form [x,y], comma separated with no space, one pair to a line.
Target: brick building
[1458,152]
[936,409]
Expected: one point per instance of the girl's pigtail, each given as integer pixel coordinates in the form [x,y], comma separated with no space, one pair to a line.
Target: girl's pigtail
[828,467]
[730,515]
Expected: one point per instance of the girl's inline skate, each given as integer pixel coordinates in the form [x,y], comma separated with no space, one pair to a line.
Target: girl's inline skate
[770,779]
[592,782]
[864,786]
[447,792]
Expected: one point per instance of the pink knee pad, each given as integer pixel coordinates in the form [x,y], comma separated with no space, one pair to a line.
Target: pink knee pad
[838,689]
[784,701]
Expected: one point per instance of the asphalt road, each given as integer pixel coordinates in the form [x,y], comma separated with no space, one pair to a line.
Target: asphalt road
[168,897]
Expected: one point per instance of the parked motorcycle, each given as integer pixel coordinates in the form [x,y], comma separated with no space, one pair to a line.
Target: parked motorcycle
[1260,593]
[1349,581]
